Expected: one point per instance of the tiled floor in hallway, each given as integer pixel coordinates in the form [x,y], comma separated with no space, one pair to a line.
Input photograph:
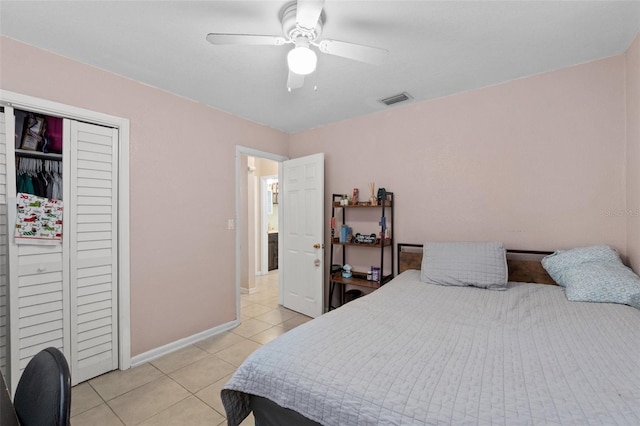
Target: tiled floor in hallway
[183,387]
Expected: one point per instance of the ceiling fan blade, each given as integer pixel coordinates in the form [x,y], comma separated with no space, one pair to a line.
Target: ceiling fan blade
[359,52]
[249,39]
[308,12]
[294,81]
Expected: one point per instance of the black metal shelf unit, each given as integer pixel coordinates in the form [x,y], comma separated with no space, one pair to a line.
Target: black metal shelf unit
[383,245]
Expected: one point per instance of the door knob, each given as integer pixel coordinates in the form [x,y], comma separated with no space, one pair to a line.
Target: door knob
[317,245]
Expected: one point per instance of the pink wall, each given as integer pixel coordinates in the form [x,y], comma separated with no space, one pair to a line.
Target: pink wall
[536,163]
[182,186]
[633,152]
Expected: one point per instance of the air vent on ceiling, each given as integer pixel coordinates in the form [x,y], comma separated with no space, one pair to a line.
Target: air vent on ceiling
[401,97]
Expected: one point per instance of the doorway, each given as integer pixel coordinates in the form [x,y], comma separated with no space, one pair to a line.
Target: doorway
[257,224]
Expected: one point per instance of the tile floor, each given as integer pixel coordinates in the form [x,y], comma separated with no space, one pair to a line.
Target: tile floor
[183,387]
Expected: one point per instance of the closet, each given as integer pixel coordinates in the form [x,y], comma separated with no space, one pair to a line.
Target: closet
[59,274]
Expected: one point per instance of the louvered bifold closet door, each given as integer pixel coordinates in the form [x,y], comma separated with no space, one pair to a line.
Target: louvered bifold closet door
[4,242]
[92,213]
[38,289]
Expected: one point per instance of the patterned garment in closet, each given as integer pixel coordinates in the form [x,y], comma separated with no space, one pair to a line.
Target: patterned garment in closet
[39,220]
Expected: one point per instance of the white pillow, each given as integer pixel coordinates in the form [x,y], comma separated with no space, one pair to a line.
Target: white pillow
[465,264]
[593,274]
[558,263]
[601,282]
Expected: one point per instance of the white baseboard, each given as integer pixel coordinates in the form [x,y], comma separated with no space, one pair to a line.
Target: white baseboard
[179,344]
[251,290]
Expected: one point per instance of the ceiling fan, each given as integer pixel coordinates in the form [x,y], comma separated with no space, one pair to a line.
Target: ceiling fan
[302,26]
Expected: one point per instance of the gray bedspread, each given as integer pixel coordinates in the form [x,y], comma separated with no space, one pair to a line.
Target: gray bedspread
[414,354]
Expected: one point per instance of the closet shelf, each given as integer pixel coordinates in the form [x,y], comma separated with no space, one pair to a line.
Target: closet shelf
[38,154]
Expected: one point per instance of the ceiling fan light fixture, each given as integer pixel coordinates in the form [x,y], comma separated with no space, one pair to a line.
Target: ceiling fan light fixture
[301,59]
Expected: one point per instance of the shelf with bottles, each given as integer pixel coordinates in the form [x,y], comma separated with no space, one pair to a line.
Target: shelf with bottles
[385,243]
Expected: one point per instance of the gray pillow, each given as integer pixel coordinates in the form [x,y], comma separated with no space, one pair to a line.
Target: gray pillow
[464,264]
[558,263]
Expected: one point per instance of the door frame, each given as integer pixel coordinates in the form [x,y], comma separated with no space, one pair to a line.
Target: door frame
[43,106]
[252,152]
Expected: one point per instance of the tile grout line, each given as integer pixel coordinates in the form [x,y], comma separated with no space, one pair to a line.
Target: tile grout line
[106,403]
[172,405]
[205,403]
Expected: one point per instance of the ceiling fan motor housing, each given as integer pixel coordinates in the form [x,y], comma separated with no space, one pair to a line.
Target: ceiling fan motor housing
[292,30]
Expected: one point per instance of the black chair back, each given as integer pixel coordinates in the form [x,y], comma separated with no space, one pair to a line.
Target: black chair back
[43,395]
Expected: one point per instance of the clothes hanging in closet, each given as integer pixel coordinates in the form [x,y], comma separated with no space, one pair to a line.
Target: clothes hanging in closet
[25,184]
[39,177]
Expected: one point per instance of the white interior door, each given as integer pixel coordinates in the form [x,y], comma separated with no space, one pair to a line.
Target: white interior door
[92,228]
[302,192]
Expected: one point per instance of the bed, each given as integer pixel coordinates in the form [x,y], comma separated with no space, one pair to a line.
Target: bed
[413,353]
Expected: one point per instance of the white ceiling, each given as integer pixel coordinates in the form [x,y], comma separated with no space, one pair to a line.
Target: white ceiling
[437,48]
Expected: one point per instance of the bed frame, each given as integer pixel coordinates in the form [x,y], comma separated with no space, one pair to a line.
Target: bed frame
[524,265]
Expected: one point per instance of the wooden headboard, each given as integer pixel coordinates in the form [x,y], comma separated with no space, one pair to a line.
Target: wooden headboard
[524,265]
